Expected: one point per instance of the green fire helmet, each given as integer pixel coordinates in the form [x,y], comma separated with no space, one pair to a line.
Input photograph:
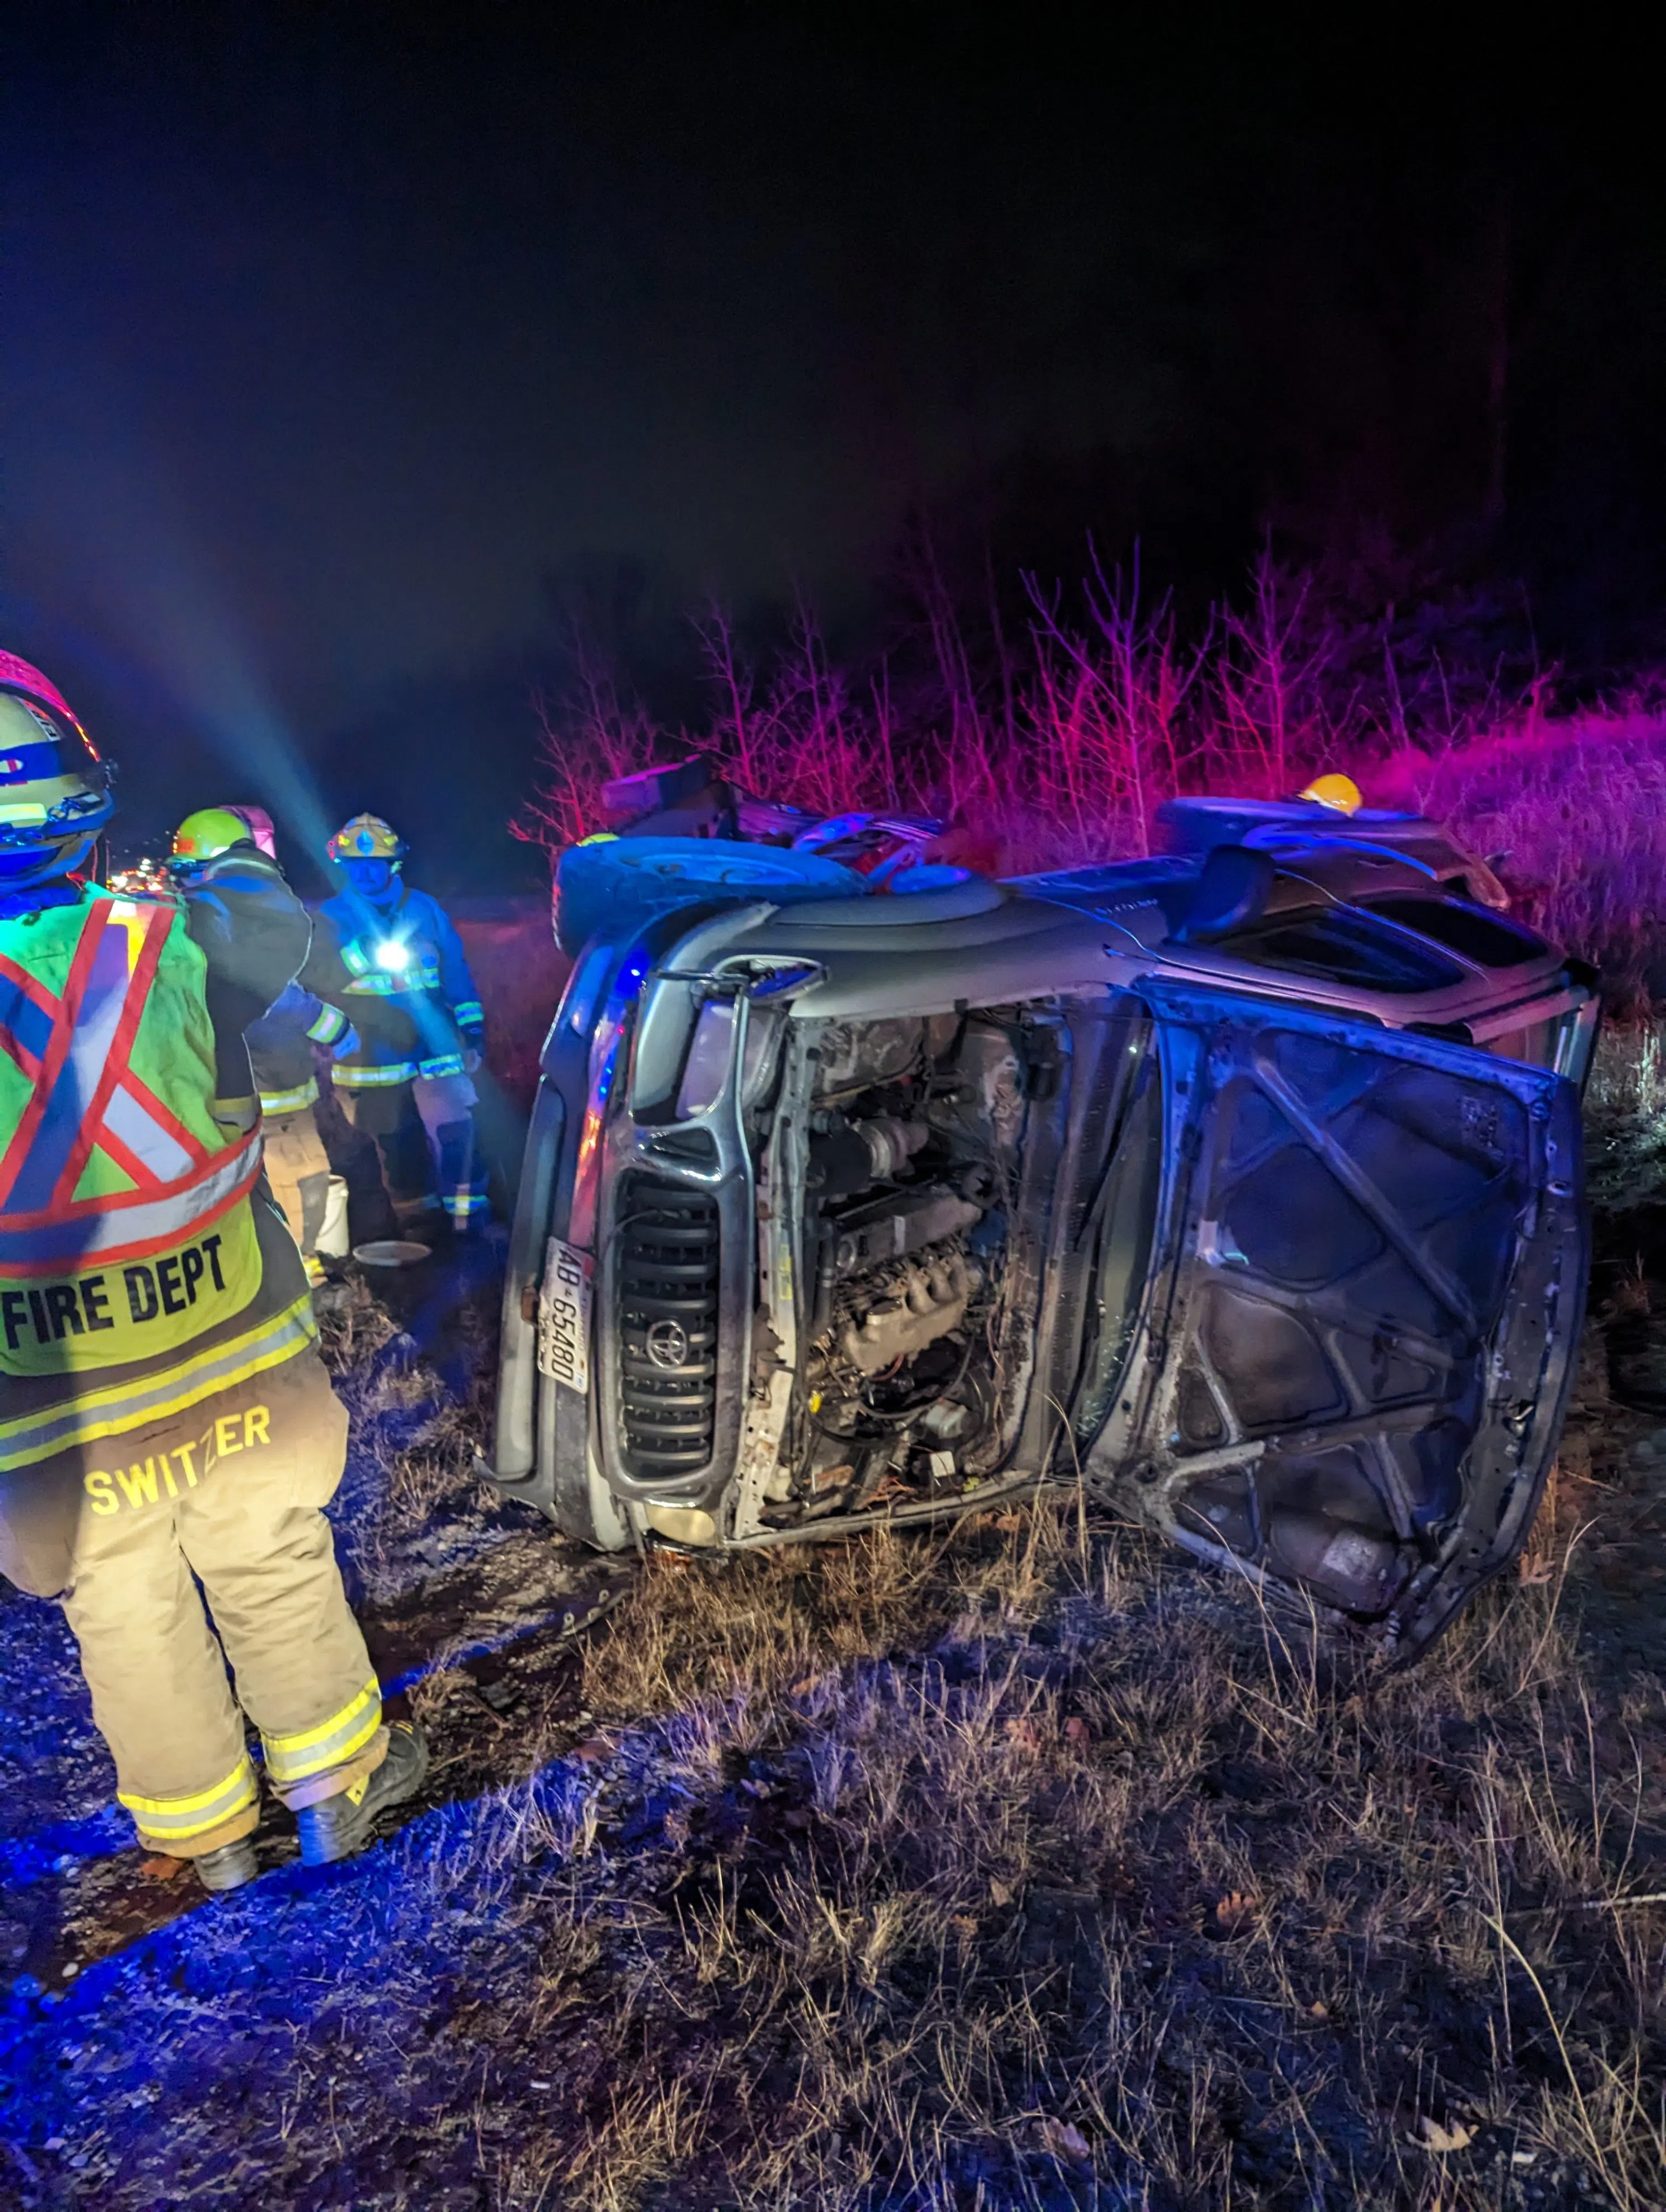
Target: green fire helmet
[209,832]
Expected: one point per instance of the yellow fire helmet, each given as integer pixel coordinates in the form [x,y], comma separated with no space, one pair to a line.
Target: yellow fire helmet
[1341,792]
[367,837]
[209,832]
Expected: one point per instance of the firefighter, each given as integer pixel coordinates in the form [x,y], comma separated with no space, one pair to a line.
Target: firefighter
[281,1040]
[422,1031]
[166,1420]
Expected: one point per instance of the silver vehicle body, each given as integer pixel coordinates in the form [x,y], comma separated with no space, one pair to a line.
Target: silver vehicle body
[1245,1190]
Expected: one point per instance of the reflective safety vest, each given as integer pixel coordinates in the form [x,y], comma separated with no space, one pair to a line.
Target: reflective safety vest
[399,962]
[131,1271]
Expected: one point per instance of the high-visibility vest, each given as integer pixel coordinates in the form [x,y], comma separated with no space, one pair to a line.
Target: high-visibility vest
[131,1271]
[417,975]
[417,982]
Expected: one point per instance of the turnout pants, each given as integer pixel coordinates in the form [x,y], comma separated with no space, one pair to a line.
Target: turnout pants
[299,1172]
[236,1507]
[424,1136]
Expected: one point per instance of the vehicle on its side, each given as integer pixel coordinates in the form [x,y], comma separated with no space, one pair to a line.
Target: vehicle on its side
[1242,1184]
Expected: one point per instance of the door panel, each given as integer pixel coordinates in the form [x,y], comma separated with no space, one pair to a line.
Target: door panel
[1367,1290]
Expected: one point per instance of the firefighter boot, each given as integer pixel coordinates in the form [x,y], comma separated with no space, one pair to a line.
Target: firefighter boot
[337,1826]
[227,1866]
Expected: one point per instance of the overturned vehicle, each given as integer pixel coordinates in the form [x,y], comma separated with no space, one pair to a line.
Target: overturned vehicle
[1241,1185]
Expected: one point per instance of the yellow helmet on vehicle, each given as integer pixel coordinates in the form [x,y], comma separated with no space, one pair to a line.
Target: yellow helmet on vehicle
[367,838]
[1340,793]
[209,832]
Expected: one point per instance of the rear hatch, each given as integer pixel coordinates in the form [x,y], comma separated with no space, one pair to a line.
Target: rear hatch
[1348,1373]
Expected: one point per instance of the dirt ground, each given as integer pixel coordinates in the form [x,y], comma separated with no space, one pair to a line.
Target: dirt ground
[1015,1865]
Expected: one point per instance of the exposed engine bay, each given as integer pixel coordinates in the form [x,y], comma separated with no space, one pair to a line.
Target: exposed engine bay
[912,1155]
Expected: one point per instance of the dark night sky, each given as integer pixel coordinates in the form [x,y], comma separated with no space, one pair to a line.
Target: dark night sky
[333,333]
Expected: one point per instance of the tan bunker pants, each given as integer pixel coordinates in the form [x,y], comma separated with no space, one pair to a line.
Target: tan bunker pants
[298,1170]
[238,1509]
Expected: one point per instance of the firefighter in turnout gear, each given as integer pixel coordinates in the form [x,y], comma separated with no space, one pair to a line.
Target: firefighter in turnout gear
[165,1419]
[307,1013]
[421,1028]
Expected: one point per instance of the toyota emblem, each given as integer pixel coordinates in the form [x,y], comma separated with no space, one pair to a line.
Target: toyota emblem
[667,1344]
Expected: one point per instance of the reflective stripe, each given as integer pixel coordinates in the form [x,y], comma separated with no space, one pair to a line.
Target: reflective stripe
[155,1147]
[98,1233]
[88,1098]
[122,1406]
[95,1024]
[461,1207]
[352,1075]
[314,1750]
[289,1102]
[469,1014]
[27,1012]
[177,1818]
[331,1022]
[412,982]
[420,973]
[445,1063]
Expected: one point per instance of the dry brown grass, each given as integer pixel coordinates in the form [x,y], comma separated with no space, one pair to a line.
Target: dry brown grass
[1021,1862]
[1625,1118]
[1016,1864]
[410,1466]
[1573,810]
[1010,1865]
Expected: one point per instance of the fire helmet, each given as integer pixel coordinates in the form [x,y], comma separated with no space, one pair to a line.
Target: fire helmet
[367,838]
[55,793]
[1340,793]
[260,828]
[211,831]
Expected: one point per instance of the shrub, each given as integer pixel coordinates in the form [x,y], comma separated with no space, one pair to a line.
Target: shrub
[1573,812]
[1061,747]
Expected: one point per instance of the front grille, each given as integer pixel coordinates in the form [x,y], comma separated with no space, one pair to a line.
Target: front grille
[667,1277]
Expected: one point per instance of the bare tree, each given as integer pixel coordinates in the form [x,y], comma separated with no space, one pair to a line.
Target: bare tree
[587,736]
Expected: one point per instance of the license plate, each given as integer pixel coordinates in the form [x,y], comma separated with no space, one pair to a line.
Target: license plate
[563,1316]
